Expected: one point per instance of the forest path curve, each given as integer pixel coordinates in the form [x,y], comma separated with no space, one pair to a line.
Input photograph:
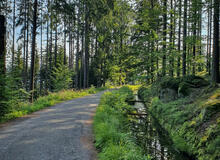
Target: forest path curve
[61,132]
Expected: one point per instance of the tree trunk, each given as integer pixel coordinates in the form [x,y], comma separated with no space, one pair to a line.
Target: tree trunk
[2,63]
[184,37]
[164,36]
[194,37]
[13,40]
[77,53]
[27,45]
[86,63]
[24,44]
[70,48]
[179,38]
[199,33]
[64,57]
[55,49]
[171,42]
[215,60]
[41,51]
[47,57]
[50,48]
[82,59]
[208,37]
[32,74]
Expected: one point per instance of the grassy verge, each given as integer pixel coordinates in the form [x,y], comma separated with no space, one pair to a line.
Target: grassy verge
[112,130]
[192,121]
[24,108]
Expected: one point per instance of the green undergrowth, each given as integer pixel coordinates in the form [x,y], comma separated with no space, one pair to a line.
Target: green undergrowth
[113,137]
[19,109]
[192,121]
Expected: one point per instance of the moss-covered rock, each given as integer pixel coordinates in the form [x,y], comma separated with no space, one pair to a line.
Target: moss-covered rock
[171,88]
[167,95]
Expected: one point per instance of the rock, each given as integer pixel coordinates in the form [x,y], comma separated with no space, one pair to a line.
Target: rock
[167,95]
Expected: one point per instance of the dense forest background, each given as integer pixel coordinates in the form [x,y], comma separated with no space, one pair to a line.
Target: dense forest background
[51,45]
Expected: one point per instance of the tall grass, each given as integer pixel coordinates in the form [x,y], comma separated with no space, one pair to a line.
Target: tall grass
[24,108]
[111,127]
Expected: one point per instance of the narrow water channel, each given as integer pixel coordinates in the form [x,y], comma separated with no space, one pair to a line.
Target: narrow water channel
[152,137]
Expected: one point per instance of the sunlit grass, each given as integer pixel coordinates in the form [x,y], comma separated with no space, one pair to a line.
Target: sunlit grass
[23,109]
[111,127]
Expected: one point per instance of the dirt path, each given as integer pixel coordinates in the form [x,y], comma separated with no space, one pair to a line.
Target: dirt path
[62,132]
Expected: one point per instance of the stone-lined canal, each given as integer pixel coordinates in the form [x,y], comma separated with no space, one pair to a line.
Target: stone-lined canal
[152,137]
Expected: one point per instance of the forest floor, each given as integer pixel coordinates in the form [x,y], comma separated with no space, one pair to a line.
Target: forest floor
[63,131]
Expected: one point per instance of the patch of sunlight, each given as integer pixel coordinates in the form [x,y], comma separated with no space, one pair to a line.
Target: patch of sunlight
[65,127]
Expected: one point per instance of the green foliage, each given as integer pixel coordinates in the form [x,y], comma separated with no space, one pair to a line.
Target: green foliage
[134,88]
[117,76]
[125,90]
[191,81]
[19,109]
[111,128]
[181,85]
[145,93]
[13,86]
[61,78]
[93,90]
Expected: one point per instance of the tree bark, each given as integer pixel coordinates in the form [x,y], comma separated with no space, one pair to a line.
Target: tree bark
[164,36]
[27,45]
[55,43]
[41,50]
[194,37]
[210,39]
[207,45]
[64,57]
[215,56]
[32,74]
[13,40]
[77,53]
[2,63]
[47,55]
[24,43]
[86,63]
[184,37]
[171,42]
[179,38]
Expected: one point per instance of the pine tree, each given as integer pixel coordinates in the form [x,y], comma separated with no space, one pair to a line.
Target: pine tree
[3,95]
[34,27]
[184,38]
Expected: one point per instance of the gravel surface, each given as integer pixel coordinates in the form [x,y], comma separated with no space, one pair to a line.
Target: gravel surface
[61,132]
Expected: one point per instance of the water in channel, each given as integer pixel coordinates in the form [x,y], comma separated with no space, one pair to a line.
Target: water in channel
[152,137]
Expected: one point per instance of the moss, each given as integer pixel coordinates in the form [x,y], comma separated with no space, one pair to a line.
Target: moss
[169,82]
[181,85]
[192,122]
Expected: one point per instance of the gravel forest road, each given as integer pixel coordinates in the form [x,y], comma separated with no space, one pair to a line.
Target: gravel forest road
[61,132]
